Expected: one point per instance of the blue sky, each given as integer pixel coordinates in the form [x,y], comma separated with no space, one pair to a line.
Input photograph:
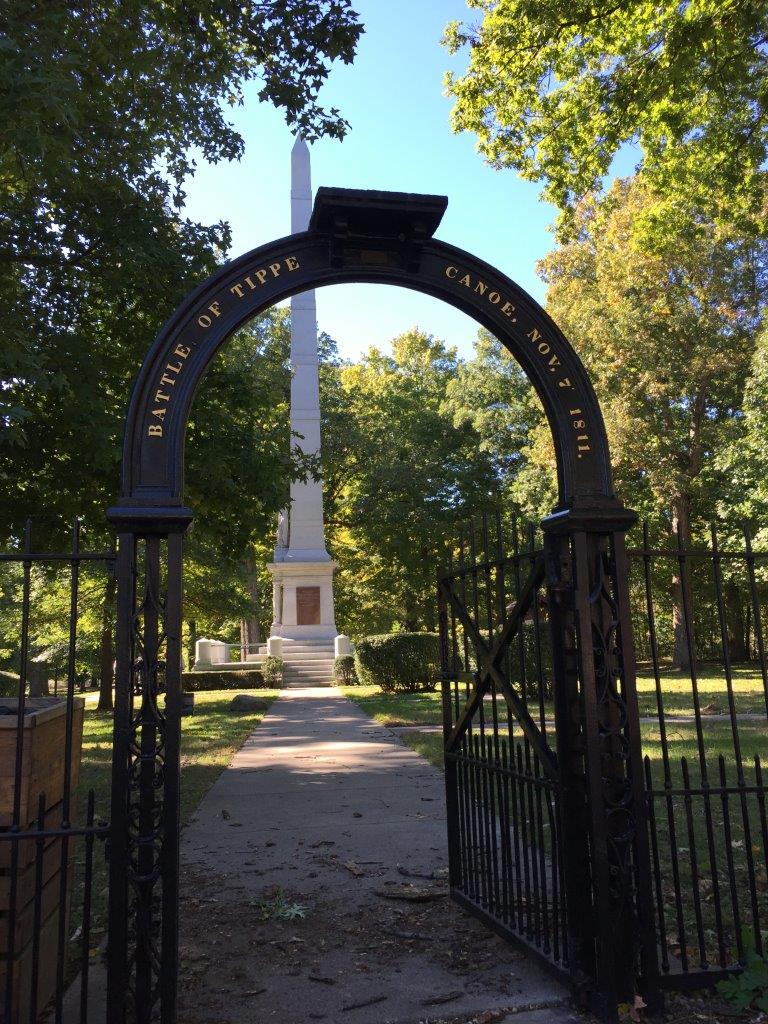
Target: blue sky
[400,139]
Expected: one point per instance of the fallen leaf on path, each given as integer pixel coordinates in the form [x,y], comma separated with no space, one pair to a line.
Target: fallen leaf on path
[428,875]
[636,1012]
[365,1002]
[354,869]
[448,997]
[412,893]
[410,936]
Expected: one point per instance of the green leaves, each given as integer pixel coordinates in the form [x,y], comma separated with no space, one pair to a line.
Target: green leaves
[663,306]
[748,989]
[556,90]
[101,105]
[399,475]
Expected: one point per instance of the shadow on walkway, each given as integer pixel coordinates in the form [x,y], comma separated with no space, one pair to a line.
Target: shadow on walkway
[314,888]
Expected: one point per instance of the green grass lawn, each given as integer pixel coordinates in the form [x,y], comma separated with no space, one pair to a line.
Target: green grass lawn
[397,708]
[730,840]
[676,689]
[210,738]
[681,743]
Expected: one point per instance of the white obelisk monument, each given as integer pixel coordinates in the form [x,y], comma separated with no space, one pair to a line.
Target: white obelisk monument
[302,570]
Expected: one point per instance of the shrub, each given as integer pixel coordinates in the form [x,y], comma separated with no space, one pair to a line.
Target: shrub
[9,684]
[748,989]
[344,670]
[249,679]
[272,668]
[399,662]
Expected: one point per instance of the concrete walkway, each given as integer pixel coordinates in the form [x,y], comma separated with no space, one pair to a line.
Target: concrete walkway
[314,888]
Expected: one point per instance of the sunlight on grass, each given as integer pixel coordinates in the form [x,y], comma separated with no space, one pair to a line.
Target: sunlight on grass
[397,708]
[713,844]
[676,690]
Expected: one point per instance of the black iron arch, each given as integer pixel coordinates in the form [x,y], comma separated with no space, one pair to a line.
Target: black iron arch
[382,238]
[356,237]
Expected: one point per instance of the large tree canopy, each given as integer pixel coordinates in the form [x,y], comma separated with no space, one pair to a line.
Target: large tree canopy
[554,90]
[400,475]
[667,332]
[102,106]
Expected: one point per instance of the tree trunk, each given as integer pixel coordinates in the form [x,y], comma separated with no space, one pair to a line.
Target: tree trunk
[681,525]
[106,647]
[250,629]
[736,623]
[411,615]
[191,643]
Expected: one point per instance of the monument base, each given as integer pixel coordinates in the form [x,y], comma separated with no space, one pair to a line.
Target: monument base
[302,601]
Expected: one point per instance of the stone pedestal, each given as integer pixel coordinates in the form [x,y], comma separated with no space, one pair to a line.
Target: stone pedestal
[342,647]
[303,600]
[210,652]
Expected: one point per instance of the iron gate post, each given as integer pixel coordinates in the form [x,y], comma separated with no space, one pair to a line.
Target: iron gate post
[573,823]
[612,939]
[451,788]
[142,954]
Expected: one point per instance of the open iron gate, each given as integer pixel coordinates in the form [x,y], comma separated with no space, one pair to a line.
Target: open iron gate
[525,849]
[546,809]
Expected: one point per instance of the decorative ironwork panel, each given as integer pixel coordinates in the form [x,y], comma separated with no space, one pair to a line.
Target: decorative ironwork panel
[503,781]
[619,865]
[143,950]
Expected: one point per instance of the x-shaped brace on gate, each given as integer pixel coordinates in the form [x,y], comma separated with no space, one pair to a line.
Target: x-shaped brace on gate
[489,658]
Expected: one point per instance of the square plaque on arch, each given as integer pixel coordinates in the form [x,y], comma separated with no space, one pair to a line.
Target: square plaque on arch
[308,606]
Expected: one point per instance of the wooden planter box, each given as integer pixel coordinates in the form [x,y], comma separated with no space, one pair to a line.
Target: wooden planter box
[42,771]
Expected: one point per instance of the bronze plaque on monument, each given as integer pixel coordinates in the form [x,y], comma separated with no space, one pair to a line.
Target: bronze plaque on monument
[308,606]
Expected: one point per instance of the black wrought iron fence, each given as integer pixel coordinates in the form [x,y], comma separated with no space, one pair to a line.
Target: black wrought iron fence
[705,738]
[699,619]
[52,834]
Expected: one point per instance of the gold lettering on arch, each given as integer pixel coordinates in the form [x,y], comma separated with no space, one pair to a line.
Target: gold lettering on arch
[542,346]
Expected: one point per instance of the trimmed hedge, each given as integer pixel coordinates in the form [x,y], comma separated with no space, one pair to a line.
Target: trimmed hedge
[344,670]
[244,680]
[399,662]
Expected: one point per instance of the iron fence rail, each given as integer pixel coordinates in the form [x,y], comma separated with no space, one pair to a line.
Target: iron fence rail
[702,729]
[49,842]
[704,779]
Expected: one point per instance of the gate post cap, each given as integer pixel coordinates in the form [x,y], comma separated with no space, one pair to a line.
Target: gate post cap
[150,519]
[368,213]
[591,515]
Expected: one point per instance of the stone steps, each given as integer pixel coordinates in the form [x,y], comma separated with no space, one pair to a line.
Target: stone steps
[308,663]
